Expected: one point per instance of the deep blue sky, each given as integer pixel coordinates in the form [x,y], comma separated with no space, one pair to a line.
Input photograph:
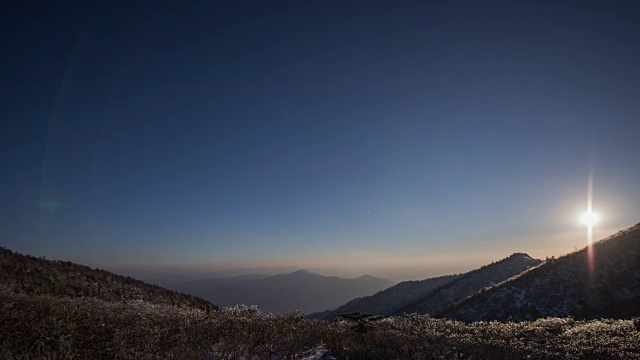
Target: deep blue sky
[338,134]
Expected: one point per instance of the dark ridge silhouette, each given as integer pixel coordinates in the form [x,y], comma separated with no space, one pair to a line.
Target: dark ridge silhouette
[469,283]
[566,286]
[25,274]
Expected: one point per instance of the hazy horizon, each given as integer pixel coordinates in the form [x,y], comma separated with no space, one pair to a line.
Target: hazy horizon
[384,266]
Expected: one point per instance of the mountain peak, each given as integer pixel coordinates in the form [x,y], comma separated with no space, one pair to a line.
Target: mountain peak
[367,277]
[521,255]
[303,273]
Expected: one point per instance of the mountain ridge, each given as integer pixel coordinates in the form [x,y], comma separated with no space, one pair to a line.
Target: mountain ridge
[565,286]
[436,293]
[471,282]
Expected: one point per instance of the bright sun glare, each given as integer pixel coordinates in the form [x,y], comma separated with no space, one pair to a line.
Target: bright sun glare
[590,218]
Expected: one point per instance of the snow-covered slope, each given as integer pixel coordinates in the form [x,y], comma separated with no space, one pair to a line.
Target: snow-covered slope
[606,284]
[469,283]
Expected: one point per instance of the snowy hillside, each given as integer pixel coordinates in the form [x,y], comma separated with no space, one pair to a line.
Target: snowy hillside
[469,283]
[568,286]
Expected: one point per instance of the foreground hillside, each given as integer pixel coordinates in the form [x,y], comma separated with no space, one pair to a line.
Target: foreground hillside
[299,290]
[606,284]
[469,283]
[30,275]
[43,327]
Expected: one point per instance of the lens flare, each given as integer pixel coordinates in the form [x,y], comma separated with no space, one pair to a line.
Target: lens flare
[590,218]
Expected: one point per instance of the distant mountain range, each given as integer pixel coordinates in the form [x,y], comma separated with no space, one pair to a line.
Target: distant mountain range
[430,295]
[24,274]
[605,284]
[167,276]
[280,293]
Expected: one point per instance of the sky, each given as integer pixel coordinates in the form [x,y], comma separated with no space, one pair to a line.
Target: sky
[396,138]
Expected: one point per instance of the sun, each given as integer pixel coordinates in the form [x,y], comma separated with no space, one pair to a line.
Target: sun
[590,218]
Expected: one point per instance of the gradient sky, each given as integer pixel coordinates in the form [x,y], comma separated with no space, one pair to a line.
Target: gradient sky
[372,136]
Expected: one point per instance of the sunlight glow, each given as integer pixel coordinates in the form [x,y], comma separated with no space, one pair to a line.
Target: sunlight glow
[590,218]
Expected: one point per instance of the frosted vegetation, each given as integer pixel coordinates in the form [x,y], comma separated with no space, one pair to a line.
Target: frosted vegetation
[61,310]
[46,327]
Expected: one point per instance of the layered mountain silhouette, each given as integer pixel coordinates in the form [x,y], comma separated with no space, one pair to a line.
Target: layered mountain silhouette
[469,283]
[30,275]
[598,282]
[299,290]
[430,295]
[601,283]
